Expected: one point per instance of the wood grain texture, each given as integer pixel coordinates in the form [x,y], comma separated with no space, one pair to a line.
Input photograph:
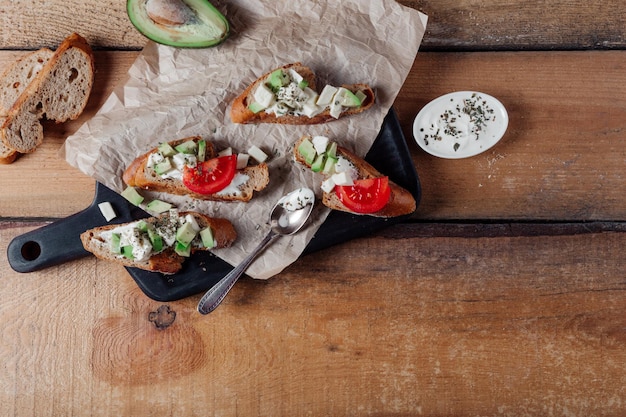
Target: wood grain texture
[460,25]
[424,326]
[565,138]
[21,182]
[562,156]
[467,25]
[503,296]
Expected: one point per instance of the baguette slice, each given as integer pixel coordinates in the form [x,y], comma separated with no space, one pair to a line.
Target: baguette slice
[401,202]
[241,113]
[167,261]
[59,92]
[13,82]
[139,174]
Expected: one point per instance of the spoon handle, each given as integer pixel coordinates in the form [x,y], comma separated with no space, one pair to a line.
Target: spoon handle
[216,294]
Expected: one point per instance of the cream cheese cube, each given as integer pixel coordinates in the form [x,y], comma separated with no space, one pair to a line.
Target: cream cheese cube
[263,95]
[326,96]
[328,185]
[342,178]
[320,143]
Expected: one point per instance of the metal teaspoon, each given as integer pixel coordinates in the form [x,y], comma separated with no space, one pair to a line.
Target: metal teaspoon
[287,217]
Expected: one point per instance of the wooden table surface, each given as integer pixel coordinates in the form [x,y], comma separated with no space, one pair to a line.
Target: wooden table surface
[504,295]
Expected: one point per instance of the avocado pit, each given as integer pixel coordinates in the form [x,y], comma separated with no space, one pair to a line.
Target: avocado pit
[169,12]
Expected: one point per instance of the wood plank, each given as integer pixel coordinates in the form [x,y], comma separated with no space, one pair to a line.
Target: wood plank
[459,25]
[561,159]
[465,25]
[433,326]
[563,154]
[31,186]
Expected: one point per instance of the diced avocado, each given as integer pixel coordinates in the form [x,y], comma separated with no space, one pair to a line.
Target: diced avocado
[185,24]
[132,196]
[347,98]
[158,206]
[115,243]
[332,150]
[277,79]
[329,165]
[255,107]
[127,251]
[208,240]
[187,147]
[163,167]
[182,249]
[155,239]
[319,163]
[166,149]
[142,226]
[201,150]
[303,84]
[361,96]
[307,151]
[185,233]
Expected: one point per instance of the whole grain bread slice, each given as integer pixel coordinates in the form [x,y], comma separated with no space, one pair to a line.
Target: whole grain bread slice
[13,82]
[241,113]
[139,174]
[401,202]
[166,262]
[59,92]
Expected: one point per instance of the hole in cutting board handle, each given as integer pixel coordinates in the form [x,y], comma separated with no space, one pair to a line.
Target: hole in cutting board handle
[31,250]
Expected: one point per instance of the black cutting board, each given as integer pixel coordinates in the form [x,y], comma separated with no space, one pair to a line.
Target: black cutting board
[59,242]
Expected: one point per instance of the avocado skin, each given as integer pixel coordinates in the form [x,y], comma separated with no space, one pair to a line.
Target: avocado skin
[209,27]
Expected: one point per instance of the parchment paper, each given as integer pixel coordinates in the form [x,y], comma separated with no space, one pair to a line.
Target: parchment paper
[173,93]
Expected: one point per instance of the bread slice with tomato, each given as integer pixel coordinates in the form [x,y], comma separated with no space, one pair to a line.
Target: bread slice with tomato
[290,95]
[190,166]
[350,183]
[159,244]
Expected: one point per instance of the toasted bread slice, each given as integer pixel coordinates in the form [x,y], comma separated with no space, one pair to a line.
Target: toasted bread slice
[241,113]
[7,155]
[59,92]
[98,242]
[140,174]
[401,202]
[13,82]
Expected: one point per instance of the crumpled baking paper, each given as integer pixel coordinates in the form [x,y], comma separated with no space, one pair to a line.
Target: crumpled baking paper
[174,93]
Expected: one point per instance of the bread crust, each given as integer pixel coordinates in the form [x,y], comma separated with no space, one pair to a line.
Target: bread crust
[36,101]
[13,81]
[401,202]
[168,261]
[138,174]
[240,113]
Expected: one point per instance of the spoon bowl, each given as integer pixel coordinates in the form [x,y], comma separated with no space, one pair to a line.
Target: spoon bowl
[288,216]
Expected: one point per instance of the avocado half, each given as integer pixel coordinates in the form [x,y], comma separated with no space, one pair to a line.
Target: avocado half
[180,23]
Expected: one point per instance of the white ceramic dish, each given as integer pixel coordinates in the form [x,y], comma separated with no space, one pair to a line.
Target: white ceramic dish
[460,124]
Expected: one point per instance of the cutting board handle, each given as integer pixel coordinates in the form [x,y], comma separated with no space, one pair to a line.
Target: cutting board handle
[59,241]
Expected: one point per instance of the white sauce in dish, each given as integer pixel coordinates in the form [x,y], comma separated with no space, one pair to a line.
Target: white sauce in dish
[460,124]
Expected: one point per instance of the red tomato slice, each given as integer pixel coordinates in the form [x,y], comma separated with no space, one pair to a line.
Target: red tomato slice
[365,196]
[210,176]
